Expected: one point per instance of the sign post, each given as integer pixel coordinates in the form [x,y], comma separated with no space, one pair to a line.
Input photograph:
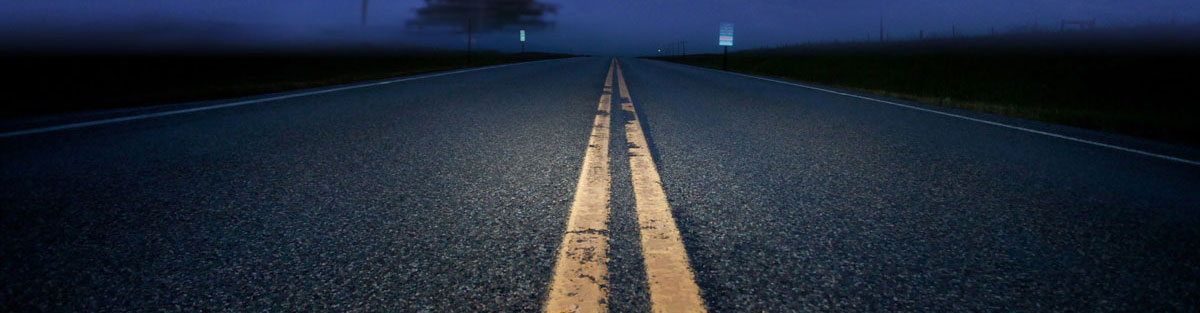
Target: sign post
[522,41]
[725,39]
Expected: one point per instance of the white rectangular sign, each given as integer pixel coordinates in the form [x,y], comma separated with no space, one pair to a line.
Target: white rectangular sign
[726,35]
[522,35]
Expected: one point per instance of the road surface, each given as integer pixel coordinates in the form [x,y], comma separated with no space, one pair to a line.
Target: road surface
[462,191]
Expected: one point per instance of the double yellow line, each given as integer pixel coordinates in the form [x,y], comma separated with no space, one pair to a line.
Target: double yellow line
[580,282]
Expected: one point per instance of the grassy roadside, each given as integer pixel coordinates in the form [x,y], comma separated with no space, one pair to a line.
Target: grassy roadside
[58,84]
[1146,94]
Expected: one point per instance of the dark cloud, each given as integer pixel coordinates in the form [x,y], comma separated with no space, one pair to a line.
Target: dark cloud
[483,15]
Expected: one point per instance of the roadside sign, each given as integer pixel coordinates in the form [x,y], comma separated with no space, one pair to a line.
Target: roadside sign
[726,35]
[522,35]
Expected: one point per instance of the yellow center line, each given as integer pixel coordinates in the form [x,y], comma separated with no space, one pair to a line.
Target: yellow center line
[580,282]
[672,283]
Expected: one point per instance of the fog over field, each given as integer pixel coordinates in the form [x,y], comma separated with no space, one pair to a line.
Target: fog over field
[623,27]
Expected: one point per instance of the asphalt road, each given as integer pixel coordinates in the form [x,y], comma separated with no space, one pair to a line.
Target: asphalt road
[451,194]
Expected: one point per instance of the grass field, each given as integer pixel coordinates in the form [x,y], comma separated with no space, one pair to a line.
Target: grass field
[67,83]
[1123,88]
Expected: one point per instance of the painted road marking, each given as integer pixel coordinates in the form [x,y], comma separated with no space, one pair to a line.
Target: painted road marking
[241,103]
[1049,134]
[672,284]
[580,282]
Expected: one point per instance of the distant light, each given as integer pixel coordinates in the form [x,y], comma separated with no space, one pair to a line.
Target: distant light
[522,35]
[726,35]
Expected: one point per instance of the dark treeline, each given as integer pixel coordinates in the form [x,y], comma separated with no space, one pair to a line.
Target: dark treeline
[1135,81]
[68,82]
[1158,38]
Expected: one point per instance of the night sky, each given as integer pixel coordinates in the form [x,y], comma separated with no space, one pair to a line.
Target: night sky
[614,27]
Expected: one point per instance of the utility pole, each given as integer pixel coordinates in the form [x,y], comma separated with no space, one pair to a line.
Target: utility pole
[470,25]
[881,29]
[364,13]
[921,35]
[683,46]
[953,32]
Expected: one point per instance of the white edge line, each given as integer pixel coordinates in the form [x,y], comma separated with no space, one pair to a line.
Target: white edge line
[1130,150]
[47,129]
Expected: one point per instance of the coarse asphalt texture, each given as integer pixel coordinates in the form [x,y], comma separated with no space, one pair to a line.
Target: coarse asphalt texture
[451,193]
[792,199]
[446,194]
